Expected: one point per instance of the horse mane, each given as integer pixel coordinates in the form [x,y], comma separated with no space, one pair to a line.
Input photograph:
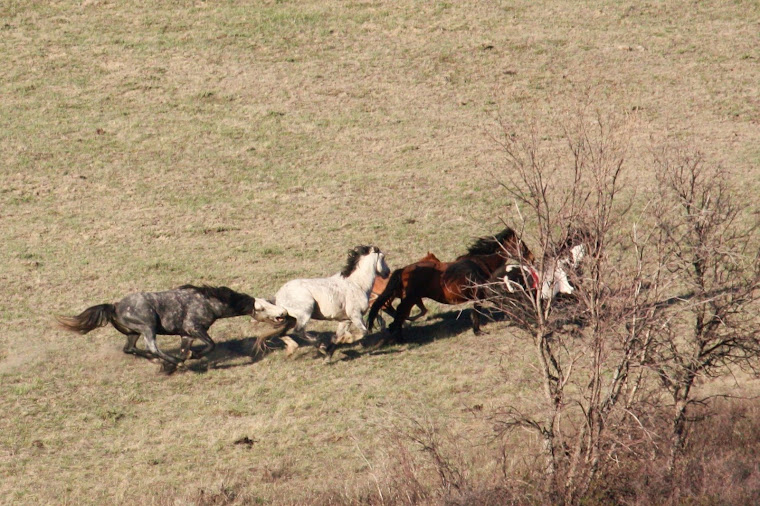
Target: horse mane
[491,244]
[223,294]
[354,256]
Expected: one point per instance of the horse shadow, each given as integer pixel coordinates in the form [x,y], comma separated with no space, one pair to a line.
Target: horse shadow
[437,327]
[445,325]
[228,353]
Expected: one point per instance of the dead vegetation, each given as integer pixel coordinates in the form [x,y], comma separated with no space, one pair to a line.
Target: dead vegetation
[666,293]
[244,144]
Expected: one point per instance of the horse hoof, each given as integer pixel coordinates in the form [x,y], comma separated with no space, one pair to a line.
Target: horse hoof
[168,369]
[327,349]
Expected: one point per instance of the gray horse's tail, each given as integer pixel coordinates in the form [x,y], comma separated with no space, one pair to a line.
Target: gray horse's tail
[89,319]
[277,331]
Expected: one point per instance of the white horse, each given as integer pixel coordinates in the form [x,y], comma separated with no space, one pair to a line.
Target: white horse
[343,297]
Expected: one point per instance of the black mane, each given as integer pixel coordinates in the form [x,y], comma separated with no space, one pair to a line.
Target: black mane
[354,256]
[492,243]
[228,296]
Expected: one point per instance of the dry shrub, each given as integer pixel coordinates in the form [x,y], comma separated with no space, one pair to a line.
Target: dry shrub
[429,464]
[226,492]
[718,466]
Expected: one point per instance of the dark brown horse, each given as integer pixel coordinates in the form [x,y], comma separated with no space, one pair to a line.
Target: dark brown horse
[449,282]
[381,283]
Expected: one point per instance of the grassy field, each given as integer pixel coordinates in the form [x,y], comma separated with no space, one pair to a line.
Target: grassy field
[148,145]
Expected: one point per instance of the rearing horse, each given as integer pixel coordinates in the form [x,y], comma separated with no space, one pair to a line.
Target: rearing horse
[449,282]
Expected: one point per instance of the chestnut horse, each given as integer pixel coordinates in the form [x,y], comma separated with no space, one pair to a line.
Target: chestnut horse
[379,287]
[449,282]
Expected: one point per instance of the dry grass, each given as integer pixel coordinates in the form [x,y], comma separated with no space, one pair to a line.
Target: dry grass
[146,146]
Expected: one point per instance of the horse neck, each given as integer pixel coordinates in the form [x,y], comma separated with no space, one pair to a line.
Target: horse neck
[491,262]
[239,307]
[364,274]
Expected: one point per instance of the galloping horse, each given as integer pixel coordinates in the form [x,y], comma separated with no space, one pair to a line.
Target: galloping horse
[187,311]
[379,287]
[343,297]
[449,282]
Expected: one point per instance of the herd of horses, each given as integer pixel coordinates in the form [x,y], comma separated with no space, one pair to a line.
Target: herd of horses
[364,286]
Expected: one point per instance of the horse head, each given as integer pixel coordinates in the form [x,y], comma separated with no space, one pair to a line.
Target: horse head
[381,268]
[264,310]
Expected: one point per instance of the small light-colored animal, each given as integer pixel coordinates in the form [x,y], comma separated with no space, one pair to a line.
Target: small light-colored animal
[519,278]
[187,311]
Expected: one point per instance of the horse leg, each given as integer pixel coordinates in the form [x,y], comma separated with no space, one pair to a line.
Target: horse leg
[210,344]
[299,330]
[475,317]
[290,345]
[132,349]
[184,348]
[389,309]
[423,312]
[381,322]
[170,363]
[402,313]
[342,334]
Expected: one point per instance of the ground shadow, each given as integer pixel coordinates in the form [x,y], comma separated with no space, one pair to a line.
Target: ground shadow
[435,327]
[420,333]
[227,354]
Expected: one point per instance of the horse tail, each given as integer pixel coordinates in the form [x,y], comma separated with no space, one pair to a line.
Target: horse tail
[392,290]
[277,331]
[89,319]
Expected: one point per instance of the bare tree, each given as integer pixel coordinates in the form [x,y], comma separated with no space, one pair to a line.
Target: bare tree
[710,245]
[588,348]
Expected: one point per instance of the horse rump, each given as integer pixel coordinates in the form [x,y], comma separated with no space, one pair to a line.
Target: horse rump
[89,319]
[392,290]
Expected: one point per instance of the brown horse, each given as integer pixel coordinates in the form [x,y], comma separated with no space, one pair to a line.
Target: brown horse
[449,282]
[381,283]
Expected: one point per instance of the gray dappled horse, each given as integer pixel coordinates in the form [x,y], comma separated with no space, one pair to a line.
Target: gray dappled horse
[187,311]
